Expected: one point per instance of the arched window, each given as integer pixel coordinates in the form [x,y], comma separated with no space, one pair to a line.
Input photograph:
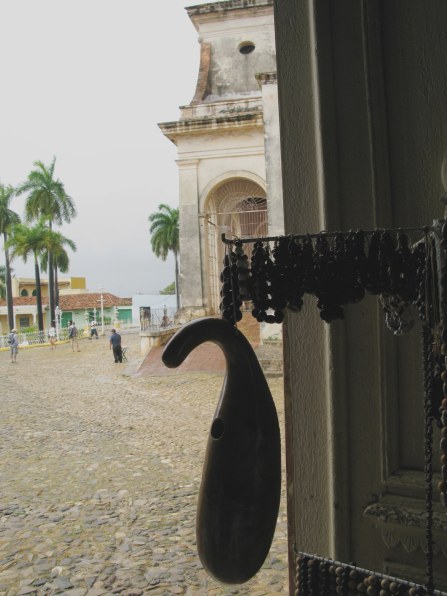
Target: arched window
[24,293]
[238,208]
[34,292]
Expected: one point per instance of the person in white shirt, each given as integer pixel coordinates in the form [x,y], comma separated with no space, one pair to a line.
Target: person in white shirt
[52,336]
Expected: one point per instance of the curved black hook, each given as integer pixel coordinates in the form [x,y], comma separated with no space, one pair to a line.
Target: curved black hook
[241,480]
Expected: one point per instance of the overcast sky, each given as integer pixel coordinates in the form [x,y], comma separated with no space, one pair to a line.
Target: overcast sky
[87,81]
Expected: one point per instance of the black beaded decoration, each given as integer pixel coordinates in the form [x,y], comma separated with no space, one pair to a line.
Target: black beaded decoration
[427,346]
[402,270]
[280,278]
[261,268]
[419,261]
[373,285]
[295,275]
[243,272]
[329,286]
[336,578]
[355,266]
[337,272]
[230,305]
[442,485]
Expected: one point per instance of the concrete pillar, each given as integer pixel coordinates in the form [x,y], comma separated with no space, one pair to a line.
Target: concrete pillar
[363,129]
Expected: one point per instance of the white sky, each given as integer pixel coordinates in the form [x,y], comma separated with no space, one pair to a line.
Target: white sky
[87,81]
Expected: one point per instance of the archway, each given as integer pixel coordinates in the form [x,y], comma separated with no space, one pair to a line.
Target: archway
[237,208]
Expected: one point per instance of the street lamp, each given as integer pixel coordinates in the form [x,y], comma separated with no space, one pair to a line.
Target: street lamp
[102,310]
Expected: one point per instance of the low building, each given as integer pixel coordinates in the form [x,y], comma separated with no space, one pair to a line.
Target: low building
[81,308]
[85,308]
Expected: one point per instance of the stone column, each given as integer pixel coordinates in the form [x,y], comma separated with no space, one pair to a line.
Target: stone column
[191,292]
[272,149]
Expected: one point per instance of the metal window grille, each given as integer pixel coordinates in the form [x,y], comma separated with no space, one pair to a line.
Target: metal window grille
[250,220]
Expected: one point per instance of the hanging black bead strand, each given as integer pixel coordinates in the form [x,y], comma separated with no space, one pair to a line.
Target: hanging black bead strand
[260,265]
[372,265]
[403,279]
[230,305]
[280,278]
[243,272]
[301,581]
[386,257]
[419,260]
[443,336]
[328,284]
[355,266]
[324,584]
[295,275]
[312,577]
[428,364]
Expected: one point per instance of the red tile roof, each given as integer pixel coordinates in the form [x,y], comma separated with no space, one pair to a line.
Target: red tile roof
[91,300]
[25,301]
[76,301]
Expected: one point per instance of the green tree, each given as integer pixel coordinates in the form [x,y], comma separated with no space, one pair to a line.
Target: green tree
[47,199]
[2,282]
[168,290]
[8,218]
[55,244]
[25,241]
[164,232]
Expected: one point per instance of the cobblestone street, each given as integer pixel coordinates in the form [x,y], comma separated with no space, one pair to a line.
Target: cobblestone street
[100,473]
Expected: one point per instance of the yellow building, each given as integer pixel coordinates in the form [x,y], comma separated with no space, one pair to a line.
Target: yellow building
[24,292]
[26,286]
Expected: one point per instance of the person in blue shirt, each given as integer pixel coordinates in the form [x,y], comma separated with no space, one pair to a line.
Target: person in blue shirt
[115,345]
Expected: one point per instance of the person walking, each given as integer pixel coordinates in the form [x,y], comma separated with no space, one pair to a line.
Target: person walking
[52,336]
[13,341]
[115,344]
[73,336]
[93,331]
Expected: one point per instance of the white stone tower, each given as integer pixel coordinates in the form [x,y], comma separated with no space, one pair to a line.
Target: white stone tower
[228,144]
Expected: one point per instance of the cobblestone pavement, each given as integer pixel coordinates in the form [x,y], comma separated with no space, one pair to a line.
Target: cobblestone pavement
[99,477]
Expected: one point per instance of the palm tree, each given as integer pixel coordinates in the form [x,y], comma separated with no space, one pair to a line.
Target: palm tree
[164,231]
[55,244]
[23,242]
[8,218]
[2,282]
[47,199]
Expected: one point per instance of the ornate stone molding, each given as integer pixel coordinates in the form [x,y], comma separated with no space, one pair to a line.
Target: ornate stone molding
[402,522]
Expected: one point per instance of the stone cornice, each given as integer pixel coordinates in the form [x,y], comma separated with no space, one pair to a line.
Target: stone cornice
[208,124]
[266,78]
[225,6]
